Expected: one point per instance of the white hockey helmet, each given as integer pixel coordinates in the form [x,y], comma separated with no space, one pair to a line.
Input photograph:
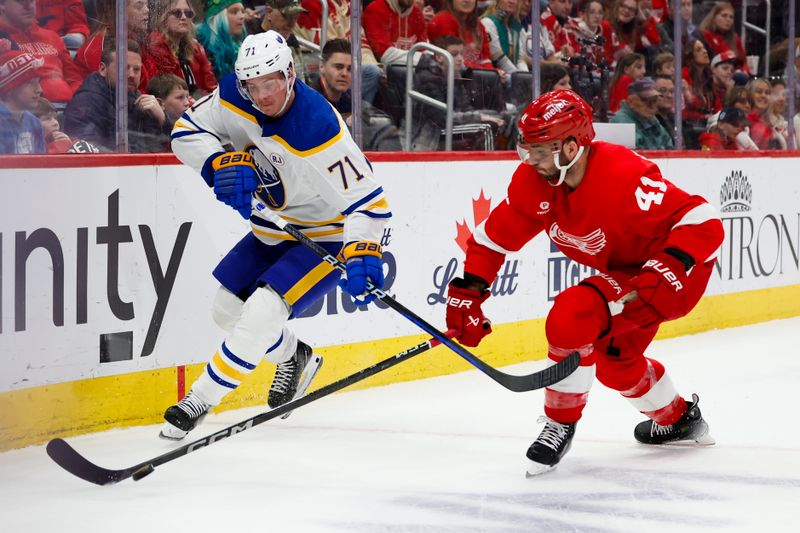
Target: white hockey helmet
[261,54]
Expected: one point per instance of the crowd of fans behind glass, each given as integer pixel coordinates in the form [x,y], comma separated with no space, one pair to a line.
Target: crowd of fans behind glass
[58,68]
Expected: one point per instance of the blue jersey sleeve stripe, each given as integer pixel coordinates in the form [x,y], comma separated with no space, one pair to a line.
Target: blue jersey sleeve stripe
[180,134]
[239,361]
[363,200]
[188,119]
[277,343]
[218,379]
[376,215]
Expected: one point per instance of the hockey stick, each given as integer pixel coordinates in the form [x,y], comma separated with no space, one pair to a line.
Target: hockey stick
[537,380]
[76,464]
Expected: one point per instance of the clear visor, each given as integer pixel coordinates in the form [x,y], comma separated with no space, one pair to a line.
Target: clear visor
[259,88]
[534,154]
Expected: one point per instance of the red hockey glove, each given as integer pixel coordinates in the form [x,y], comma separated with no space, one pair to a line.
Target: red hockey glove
[464,312]
[661,285]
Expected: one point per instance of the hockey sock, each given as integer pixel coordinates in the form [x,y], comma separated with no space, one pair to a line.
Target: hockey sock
[565,400]
[655,396]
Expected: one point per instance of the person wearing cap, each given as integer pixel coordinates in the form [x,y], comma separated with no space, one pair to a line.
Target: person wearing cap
[281,16]
[640,108]
[222,33]
[722,67]
[59,77]
[729,132]
[20,130]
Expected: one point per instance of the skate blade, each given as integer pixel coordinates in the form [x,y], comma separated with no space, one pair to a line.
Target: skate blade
[535,469]
[309,374]
[171,433]
[703,440]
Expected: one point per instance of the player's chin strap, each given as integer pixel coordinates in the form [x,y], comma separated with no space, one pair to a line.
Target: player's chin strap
[563,170]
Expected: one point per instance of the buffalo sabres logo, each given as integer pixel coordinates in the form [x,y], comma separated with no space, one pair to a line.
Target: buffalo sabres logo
[591,244]
[271,190]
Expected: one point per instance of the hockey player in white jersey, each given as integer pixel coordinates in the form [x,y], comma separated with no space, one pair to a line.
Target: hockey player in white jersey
[294,156]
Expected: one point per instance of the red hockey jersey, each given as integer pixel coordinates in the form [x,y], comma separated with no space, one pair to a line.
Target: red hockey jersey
[620,215]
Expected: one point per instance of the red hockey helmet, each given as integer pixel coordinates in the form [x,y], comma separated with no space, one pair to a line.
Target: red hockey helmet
[555,116]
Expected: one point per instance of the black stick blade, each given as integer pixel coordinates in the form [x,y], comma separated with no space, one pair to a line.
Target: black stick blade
[70,460]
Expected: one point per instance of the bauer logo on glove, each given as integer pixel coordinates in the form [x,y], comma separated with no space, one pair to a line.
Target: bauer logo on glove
[664,270]
[363,264]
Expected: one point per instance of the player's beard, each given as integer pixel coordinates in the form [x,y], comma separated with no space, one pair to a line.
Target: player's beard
[553,176]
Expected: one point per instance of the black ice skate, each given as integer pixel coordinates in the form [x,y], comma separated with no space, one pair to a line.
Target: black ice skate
[183,417]
[690,429]
[549,447]
[293,377]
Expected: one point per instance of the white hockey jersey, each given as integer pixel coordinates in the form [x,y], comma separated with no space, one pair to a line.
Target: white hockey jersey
[311,171]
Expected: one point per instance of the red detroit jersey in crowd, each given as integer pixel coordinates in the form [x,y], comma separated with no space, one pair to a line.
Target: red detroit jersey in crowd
[622,213]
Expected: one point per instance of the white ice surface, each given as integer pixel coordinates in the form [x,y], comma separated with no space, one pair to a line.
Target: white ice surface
[447,454]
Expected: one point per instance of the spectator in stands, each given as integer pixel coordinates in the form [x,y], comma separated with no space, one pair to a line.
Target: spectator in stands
[172,94]
[172,48]
[428,10]
[555,19]
[221,34]
[335,75]
[630,68]
[620,29]
[722,66]
[761,131]
[546,48]
[776,114]
[796,71]
[729,132]
[719,35]
[689,30]
[57,141]
[392,27]
[430,79]
[65,17]
[309,25]
[666,102]
[460,18]
[507,39]
[589,27]
[640,109]
[654,37]
[91,115]
[698,93]
[309,22]
[87,58]
[59,77]
[664,64]
[553,77]
[20,131]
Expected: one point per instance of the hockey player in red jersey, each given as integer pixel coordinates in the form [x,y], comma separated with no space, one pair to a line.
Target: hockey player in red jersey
[653,244]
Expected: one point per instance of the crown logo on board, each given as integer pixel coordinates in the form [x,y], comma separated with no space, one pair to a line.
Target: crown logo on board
[736,194]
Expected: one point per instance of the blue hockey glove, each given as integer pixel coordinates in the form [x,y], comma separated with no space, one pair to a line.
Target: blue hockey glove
[363,262]
[235,179]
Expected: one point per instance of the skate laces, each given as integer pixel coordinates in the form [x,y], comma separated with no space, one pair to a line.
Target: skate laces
[657,430]
[553,433]
[284,375]
[193,406]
